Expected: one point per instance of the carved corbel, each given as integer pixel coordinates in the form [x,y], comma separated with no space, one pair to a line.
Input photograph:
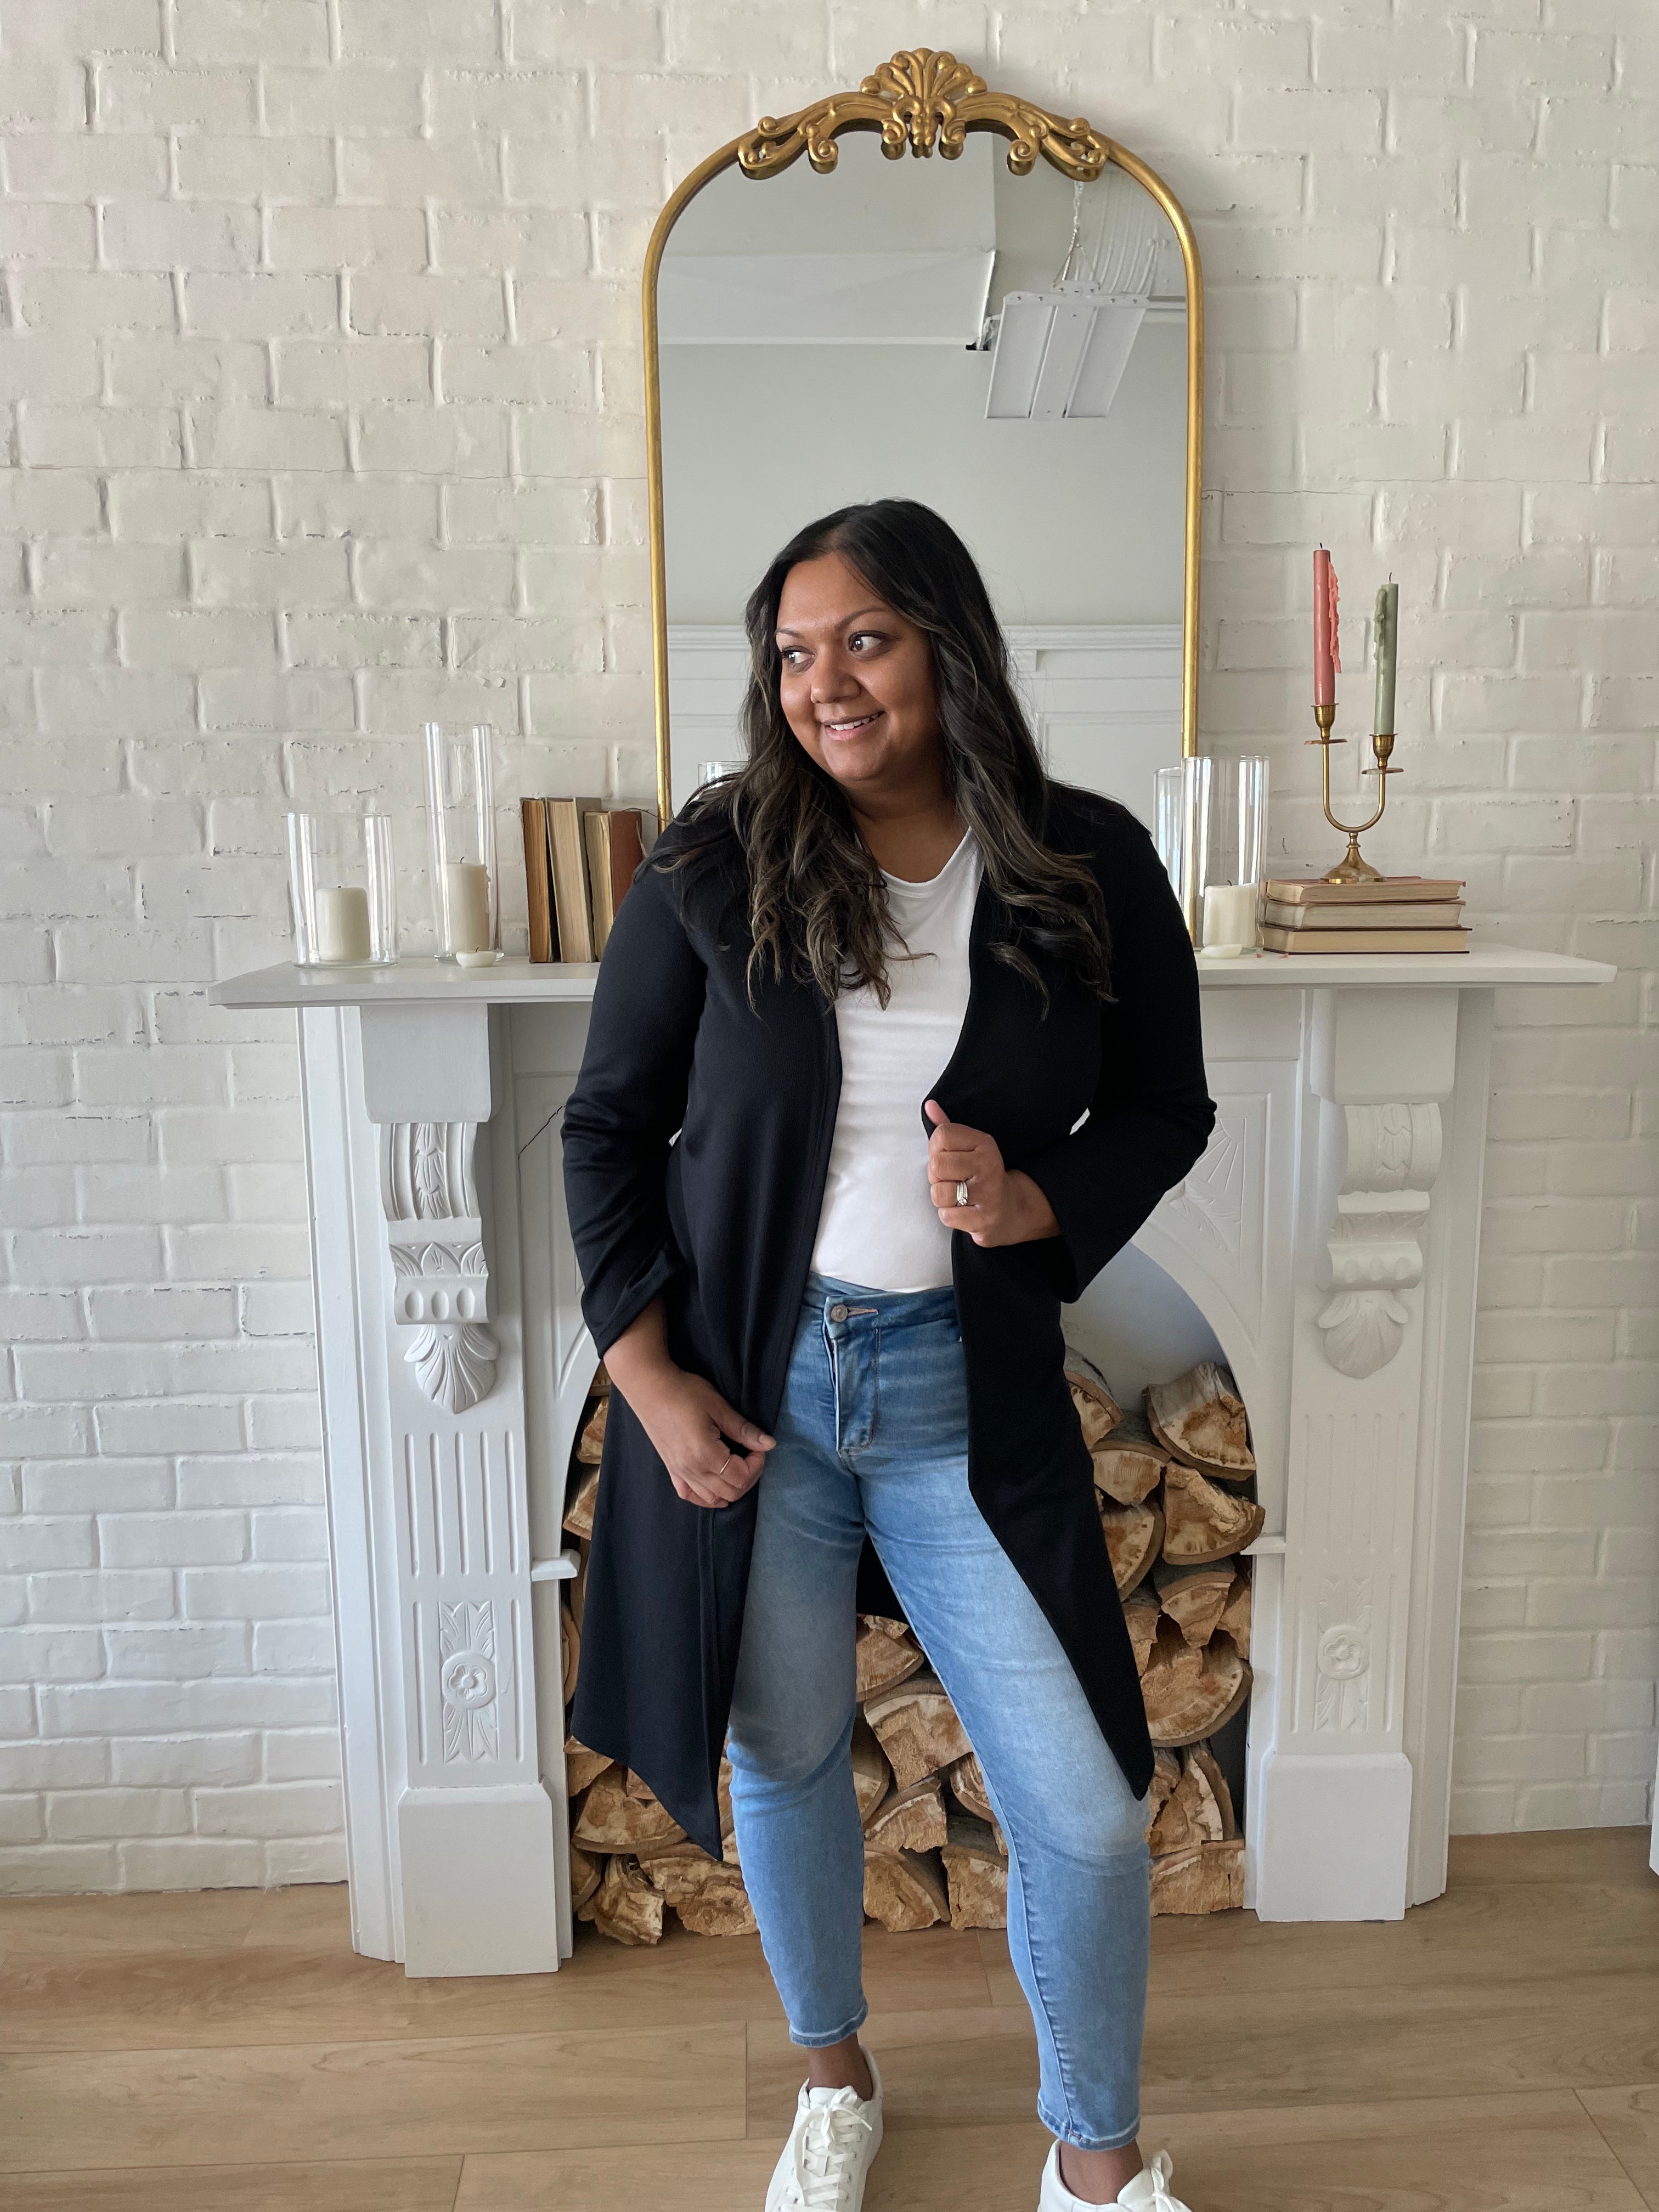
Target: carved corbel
[441,1273]
[1375,1248]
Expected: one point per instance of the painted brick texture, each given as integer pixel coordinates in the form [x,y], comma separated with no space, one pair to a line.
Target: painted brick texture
[321,382]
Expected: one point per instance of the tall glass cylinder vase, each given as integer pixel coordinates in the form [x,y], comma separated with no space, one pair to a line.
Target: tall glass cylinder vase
[1182,829]
[343,883]
[460,802]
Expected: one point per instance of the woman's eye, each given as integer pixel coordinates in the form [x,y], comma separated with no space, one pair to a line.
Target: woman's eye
[791,655]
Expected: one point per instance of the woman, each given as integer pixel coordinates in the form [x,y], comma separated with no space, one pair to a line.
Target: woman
[894,1042]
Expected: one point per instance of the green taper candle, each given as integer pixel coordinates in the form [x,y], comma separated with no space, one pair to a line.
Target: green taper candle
[1386,625]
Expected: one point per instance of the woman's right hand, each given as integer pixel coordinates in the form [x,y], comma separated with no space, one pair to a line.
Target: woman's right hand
[712,1455]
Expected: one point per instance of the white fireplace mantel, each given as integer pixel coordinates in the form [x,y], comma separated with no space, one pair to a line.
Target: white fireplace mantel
[1328,1238]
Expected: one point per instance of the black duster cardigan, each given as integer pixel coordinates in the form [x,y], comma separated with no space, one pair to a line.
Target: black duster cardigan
[697,1142]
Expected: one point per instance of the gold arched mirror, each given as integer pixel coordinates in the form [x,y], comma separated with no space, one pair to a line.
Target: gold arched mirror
[1018,342]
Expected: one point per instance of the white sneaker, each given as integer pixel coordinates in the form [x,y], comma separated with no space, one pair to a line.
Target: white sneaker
[1148,2192]
[823,2166]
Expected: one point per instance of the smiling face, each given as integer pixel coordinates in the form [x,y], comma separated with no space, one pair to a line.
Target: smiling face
[856,682]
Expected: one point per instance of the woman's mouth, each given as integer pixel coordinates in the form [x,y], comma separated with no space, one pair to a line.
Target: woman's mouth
[849,728]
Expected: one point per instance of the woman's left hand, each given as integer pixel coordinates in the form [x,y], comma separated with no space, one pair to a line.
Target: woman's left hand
[1005,1207]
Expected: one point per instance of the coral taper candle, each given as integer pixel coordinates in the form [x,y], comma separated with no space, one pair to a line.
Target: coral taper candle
[1386,623]
[1327,658]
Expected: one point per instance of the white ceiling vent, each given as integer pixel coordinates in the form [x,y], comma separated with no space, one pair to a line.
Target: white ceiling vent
[1062,352]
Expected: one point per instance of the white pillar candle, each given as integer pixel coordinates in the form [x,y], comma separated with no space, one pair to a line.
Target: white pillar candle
[1228,918]
[343,925]
[466,901]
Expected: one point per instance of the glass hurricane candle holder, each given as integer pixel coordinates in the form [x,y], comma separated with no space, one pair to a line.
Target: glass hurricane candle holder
[1236,853]
[460,804]
[342,883]
[1210,827]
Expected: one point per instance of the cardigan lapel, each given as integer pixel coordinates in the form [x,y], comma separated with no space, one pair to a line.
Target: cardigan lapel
[956,1083]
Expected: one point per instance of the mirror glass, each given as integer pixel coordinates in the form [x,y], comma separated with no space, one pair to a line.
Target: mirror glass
[1011,350]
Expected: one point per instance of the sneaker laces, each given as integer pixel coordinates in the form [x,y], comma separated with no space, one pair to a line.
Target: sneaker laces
[1150,2191]
[823,2143]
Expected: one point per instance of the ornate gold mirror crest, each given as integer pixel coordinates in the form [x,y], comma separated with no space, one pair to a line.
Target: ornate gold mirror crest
[921,101]
[913,101]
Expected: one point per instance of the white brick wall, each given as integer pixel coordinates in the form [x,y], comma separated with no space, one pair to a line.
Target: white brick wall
[322,398]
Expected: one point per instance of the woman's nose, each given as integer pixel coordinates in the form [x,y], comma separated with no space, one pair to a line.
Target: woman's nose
[834,677]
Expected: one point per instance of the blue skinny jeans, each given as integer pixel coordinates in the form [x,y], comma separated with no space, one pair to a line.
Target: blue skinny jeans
[873,1434]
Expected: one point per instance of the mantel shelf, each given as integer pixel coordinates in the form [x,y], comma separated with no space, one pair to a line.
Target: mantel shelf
[522,982]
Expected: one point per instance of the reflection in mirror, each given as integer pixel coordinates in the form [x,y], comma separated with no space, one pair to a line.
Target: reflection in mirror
[1011,350]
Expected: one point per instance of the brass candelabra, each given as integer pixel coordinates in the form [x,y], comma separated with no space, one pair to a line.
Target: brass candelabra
[1352,869]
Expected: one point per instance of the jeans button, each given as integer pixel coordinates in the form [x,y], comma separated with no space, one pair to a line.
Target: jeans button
[837,1313]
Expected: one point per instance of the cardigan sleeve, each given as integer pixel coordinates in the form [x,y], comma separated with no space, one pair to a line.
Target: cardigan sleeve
[1151,1113]
[628,1103]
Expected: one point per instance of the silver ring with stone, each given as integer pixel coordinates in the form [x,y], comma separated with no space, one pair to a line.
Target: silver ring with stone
[961,1194]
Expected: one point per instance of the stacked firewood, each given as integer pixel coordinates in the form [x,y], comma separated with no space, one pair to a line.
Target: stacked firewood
[1175,1481]
[933,1852]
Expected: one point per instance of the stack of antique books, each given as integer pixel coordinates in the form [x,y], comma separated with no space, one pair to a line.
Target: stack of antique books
[1393,914]
[580,856]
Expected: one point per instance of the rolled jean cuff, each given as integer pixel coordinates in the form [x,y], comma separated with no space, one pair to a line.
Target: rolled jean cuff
[1120,2141]
[837,2035]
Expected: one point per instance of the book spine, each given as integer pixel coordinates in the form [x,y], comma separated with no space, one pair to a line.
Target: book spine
[537,879]
[1443,915]
[1401,891]
[596,838]
[572,909]
[1371,943]
[556,942]
[627,828]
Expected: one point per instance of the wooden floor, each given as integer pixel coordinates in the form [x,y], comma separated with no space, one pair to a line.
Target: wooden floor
[1497,2051]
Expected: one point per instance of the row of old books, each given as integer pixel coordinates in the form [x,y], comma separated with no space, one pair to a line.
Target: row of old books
[1394,913]
[580,856]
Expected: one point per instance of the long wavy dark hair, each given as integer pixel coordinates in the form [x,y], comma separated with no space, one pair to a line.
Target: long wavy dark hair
[818,900]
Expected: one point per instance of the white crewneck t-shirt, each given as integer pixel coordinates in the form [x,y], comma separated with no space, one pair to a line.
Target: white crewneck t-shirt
[878,1224]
